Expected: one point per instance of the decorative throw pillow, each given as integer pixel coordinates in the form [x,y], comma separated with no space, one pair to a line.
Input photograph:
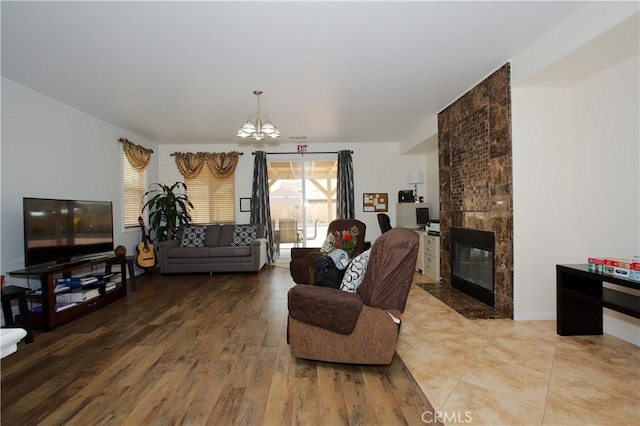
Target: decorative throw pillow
[243,235]
[193,236]
[354,275]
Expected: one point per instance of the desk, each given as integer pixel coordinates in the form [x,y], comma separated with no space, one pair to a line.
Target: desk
[428,260]
[580,297]
[10,293]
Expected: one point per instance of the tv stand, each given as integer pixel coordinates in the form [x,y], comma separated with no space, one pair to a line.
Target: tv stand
[49,318]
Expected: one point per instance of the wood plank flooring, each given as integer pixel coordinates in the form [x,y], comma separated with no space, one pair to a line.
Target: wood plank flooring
[196,350]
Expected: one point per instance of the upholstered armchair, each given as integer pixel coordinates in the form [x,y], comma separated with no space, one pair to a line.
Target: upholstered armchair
[328,324]
[301,265]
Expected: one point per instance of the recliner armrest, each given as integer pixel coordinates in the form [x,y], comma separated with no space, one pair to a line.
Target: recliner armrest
[297,252]
[329,308]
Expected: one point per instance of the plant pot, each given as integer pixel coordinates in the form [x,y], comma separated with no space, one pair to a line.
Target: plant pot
[120,252]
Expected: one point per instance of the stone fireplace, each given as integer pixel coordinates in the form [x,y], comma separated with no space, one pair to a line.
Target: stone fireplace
[472,263]
[474,149]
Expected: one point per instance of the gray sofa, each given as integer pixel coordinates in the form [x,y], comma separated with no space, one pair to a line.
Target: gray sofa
[217,253]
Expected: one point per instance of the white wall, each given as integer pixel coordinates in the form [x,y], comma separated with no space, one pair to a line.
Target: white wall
[576,153]
[52,150]
[377,168]
[74,155]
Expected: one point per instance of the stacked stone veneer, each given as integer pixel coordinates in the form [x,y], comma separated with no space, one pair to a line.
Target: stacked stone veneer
[474,144]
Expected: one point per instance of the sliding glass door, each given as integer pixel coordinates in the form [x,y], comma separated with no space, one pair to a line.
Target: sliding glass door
[302,196]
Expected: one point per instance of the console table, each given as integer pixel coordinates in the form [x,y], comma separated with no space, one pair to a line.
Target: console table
[580,297]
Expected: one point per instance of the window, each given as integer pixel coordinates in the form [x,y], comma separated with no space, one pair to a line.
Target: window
[213,198]
[134,183]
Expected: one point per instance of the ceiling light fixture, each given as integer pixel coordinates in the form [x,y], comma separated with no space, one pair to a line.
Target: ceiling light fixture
[258,130]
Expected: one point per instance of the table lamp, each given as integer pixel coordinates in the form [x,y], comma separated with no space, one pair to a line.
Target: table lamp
[415,177]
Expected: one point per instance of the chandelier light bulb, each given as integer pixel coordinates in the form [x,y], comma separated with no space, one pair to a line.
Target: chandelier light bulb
[256,129]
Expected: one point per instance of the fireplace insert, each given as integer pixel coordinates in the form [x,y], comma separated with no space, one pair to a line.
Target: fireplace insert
[472,263]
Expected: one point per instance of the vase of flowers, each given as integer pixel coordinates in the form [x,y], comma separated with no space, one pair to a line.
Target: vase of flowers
[345,240]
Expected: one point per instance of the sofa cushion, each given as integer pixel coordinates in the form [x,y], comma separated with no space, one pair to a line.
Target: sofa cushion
[230,251]
[243,235]
[354,274]
[226,234]
[213,235]
[193,236]
[187,252]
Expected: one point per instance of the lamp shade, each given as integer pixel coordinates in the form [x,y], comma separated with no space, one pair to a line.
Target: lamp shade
[415,177]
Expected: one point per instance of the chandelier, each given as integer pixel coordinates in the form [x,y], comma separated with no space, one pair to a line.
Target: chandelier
[258,130]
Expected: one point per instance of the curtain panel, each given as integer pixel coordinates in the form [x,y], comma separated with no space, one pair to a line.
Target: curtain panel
[260,206]
[345,199]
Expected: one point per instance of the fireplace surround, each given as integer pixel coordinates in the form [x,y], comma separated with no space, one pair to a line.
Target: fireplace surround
[472,263]
[475,176]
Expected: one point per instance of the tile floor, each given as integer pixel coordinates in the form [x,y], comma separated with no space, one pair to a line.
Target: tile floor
[503,372]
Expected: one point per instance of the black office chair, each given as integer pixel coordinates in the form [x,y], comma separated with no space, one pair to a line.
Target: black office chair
[384,221]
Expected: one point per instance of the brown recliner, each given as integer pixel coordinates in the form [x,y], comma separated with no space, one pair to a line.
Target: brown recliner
[332,325]
[301,265]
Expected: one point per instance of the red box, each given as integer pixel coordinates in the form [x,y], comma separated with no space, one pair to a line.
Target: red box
[617,267]
[634,273]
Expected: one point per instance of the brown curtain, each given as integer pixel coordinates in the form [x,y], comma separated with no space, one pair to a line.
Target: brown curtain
[137,155]
[222,164]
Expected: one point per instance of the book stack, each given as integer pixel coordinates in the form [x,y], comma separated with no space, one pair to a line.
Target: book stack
[76,281]
[78,296]
[112,282]
[59,307]
[72,291]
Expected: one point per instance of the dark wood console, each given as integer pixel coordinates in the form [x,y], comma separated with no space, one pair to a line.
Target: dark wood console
[580,297]
[48,318]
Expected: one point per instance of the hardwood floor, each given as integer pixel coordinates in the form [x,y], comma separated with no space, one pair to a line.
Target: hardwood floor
[196,349]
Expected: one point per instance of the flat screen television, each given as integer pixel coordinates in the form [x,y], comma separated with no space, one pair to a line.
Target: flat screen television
[422,216]
[61,230]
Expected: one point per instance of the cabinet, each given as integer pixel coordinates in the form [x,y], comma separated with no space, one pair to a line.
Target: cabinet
[428,261]
[47,317]
[581,295]
[406,214]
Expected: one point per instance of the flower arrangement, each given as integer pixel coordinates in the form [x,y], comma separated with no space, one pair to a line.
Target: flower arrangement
[345,240]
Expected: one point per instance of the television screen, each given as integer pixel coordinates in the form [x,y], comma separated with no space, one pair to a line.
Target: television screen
[59,230]
[422,216]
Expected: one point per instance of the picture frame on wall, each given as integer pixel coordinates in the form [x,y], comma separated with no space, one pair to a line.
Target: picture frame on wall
[245,204]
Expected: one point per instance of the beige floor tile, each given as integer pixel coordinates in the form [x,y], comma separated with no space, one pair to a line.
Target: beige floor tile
[437,367]
[541,332]
[519,351]
[589,405]
[605,348]
[605,377]
[464,337]
[508,372]
[520,383]
[479,406]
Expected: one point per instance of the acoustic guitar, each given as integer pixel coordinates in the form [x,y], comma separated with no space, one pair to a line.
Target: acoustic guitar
[146,258]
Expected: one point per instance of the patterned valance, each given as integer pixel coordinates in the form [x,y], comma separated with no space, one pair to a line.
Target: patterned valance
[137,155]
[221,164]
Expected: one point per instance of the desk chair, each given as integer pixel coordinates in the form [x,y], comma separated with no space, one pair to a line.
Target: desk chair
[384,222]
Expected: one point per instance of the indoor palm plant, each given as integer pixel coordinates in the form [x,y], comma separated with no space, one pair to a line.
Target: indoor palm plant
[167,209]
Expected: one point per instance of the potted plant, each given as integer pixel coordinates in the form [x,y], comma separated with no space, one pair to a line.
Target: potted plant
[120,250]
[167,209]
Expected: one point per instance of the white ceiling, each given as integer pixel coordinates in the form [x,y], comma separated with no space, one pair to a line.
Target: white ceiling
[184,72]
